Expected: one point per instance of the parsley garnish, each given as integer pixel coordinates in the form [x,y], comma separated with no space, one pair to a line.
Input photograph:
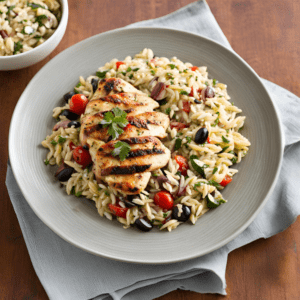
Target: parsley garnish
[215,170]
[152,72]
[46,162]
[177,144]
[136,69]
[206,83]
[196,78]
[53,143]
[172,82]
[61,139]
[214,183]
[17,47]
[172,66]
[197,185]
[39,19]
[37,37]
[101,74]
[35,6]
[214,81]
[185,71]
[121,149]
[224,149]
[130,76]
[106,193]
[184,93]
[225,140]
[115,120]
[78,194]
[10,8]
[165,215]
[168,110]
[128,69]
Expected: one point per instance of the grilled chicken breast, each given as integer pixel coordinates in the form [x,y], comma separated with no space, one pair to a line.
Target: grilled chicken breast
[112,86]
[145,124]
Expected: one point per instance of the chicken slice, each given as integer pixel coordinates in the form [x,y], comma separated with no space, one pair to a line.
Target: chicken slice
[145,124]
[112,86]
[131,103]
[146,154]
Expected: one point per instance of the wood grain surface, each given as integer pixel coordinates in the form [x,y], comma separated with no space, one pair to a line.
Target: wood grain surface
[267,35]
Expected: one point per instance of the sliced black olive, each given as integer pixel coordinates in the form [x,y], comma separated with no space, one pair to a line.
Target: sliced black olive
[69,115]
[64,174]
[143,225]
[85,147]
[95,84]
[185,214]
[68,96]
[128,201]
[197,101]
[76,124]
[201,135]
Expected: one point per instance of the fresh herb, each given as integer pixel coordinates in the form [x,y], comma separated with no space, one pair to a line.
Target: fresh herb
[163,102]
[61,139]
[177,144]
[188,139]
[206,83]
[39,19]
[136,69]
[99,188]
[172,66]
[54,143]
[241,128]
[128,69]
[73,190]
[170,76]
[78,194]
[184,93]
[130,76]
[38,37]
[101,74]
[196,167]
[78,84]
[225,140]
[214,183]
[152,72]
[214,81]
[24,20]
[196,78]
[216,122]
[234,159]
[155,175]
[106,193]
[190,76]
[35,6]
[124,73]
[115,121]
[215,170]
[10,8]
[168,110]
[1,12]
[172,82]
[178,173]
[224,149]
[165,215]
[121,149]
[23,30]
[17,47]
[185,71]
[196,185]
[46,162]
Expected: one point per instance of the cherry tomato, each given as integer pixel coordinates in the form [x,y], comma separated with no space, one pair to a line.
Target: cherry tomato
[194,68]
[164,200]
[191,94]
[118,210]
[119,63]
[127,127]
[82,156]
[208,140]
[78,103]
[72,146]
[183,164]
[186,106]
[226,180]
[178,125]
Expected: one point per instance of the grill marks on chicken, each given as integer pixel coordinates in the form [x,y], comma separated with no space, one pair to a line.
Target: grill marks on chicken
[147,152]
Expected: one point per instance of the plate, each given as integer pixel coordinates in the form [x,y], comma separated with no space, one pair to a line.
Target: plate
[75,219]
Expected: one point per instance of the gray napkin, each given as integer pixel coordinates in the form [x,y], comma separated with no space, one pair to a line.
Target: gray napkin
[70,273]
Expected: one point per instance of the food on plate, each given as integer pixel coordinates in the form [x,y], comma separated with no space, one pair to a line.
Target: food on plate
[26,24]
[151,140]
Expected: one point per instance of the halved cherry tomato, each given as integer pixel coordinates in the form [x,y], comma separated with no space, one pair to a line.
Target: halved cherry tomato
[78,103]
[82,156]
[72,146]
[194,68]
[191,94]
[208,140]
[226,180]
[186,106]
[183,164]
[128,126]
[118,210]
[178,125]
[164,200]
[119,63]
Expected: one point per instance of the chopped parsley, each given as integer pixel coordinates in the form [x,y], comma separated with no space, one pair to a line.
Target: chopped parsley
[46,162]
[215,170]
[124,73]
[196,167]
[17,47]
[172,66]
[165,215]
[53,143]
[214,81]
[106,193]
[101,74]
[10,8]
[168,110]
[136,69]
[225,140]
[115,120]
[170,76]
[152,72]
[121,149]
[78,194]
[128,69]
[196,78]
[38,37]
[196,185]
[130,76]
[39,19]
[35,6]
[185,71]
[217,120]
[214,183]
[184,93]
[224,149]
[61,139]
[172,82]
[177,144]
[78,84]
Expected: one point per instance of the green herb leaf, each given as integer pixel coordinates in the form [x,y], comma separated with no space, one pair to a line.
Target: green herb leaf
[224,149]
[53,143]
[196,167]
[177,144]
[215,170]
[185,71]
[17,47]
[172,82]
[214,81]
[184,93]
[165,215]
[78,84]
[121,149]
[225,140]
[136,69]
[214,183]
[78,194]
[152,72]
[168,110]
[196,78]
[38,37]
[206,83]
[172,66]
[10,8]
[35,6]
[130,76]
[61,139]
[101,74]
[128,69]
[39,19]
[46,162]
[106,193]
[197,185]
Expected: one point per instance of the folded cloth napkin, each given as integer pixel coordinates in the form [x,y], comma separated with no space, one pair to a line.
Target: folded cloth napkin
[67,272]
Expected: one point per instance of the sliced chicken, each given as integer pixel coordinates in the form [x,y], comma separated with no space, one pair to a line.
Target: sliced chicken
[146,154]
[131,103]
[112,86]
[145,124]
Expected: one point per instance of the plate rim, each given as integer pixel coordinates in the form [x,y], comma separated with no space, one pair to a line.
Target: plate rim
[157,261]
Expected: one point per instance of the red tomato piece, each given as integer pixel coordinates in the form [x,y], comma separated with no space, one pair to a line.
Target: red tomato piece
[72,146]
[226,180]
[82,156]
[78,103]
[208,140]
[119,63]
[186,106]
[178,125]
[194,68]
[164,200]
[118,210]
[127,127]
[191,94]
[183,164]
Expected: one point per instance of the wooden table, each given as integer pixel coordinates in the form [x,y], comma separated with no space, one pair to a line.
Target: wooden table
[267,35]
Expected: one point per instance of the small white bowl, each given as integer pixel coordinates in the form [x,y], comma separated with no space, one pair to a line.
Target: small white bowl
[35,55]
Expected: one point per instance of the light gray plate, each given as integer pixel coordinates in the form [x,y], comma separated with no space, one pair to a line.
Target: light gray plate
[75,219]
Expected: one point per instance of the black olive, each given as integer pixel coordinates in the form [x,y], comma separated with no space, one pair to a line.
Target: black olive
[128,201]
[185,214]
[201,135]
[197,101]
[209,92]
[68,96]
[74,123]
[95,84]
[163,171]
[69,115]
[143,225]
[65,174]
[85,147]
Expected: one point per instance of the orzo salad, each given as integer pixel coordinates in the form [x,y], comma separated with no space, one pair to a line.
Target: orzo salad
[26,24]
[151,140]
